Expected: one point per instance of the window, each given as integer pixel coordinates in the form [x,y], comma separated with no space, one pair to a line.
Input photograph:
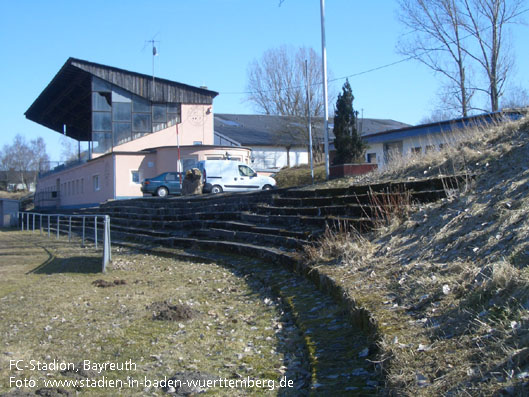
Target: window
[101,121]
[159,113]
[141,122]
[121,111]
[246,171]
[135,175]
[101,101]
[416,150]
[140,105]
[171,176]
[173,112]
[372,158]
[429,148]
[121,133]
[95,180]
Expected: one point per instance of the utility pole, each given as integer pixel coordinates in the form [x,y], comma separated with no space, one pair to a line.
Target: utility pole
[309,121]
[325,95]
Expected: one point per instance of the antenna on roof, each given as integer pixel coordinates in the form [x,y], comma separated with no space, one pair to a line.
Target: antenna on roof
[154,53]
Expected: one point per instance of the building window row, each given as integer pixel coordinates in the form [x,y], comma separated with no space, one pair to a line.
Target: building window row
[72,188]
[119,116]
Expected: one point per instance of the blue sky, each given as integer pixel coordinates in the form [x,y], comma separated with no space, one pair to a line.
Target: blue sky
[211,43]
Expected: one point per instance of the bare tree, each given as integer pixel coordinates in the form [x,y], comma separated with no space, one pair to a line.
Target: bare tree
[23,159]
[515,97]
[438,43]
[277,84]
[485,21]
[453,36]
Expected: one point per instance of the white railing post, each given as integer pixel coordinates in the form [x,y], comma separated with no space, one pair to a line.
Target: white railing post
[23,217]
[106,244]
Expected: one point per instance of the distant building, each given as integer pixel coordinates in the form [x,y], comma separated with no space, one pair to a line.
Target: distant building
[420,139]
[133,128]
[282,141]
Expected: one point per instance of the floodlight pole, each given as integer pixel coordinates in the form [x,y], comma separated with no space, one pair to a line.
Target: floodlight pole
[325,98]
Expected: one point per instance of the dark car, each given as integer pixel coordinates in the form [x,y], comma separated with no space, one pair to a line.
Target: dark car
[162,185]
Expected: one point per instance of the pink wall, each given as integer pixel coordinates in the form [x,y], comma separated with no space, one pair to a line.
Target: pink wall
[164,159]
[77,185]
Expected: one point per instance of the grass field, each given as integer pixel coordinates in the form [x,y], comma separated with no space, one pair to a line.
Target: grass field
[52,312]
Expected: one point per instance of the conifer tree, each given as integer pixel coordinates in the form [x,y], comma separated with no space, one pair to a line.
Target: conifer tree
[348,141]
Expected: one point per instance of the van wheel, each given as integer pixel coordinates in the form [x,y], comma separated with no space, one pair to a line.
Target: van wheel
[162,192]
[267,187]
[216,189]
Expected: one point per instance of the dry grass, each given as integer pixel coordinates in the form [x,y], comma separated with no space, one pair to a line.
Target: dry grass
[12,195]
[299,176]
[339,245]
[449,284]
[51,309]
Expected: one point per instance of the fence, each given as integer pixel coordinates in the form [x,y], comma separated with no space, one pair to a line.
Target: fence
[81,223]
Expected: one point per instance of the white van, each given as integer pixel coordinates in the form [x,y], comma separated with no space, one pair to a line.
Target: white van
[231,176]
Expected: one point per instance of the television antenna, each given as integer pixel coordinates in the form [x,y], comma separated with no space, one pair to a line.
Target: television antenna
[154,53]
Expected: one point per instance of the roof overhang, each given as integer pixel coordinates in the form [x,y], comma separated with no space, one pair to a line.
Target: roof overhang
[66,101]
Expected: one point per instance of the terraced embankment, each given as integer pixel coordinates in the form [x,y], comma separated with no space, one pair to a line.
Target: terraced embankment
[271,228]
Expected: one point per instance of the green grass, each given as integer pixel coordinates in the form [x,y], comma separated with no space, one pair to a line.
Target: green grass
[51,310]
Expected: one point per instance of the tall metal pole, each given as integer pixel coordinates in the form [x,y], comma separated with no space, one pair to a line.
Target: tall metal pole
[325,98]
[309,120]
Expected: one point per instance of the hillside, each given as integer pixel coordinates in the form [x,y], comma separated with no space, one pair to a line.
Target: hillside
[448,283]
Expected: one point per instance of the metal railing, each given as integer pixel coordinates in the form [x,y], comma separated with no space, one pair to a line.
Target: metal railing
[81,223]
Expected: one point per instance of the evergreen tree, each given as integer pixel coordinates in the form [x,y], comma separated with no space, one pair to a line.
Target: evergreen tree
[348,142]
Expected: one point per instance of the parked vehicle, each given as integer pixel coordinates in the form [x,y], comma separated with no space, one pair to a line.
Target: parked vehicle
[162,185]
[231,176]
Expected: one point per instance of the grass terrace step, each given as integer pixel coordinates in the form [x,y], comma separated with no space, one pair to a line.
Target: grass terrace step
[429,184]
[364,199]
[304,222]
[252,227]
[254,238]
[350,210]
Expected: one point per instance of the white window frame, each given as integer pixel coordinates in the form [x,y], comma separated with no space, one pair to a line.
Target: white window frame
[95,183]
